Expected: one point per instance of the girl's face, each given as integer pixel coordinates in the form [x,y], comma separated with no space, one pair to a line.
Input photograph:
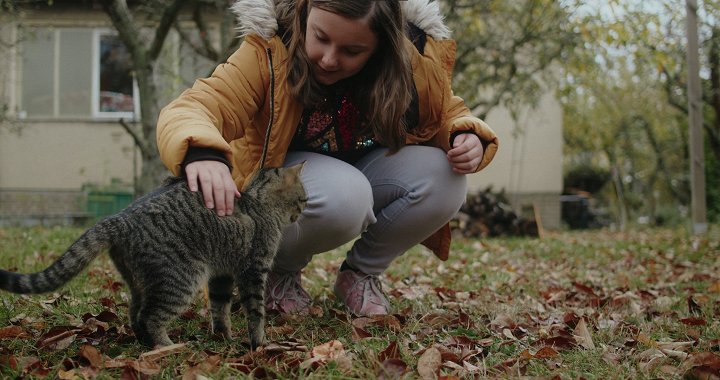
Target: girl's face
[338,47]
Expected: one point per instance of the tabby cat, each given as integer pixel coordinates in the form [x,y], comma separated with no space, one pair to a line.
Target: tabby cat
[167,245]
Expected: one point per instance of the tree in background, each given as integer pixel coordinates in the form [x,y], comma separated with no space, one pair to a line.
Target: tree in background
[509,52]
[625,102]
[145,51]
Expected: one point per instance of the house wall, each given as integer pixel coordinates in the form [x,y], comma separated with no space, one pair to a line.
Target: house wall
[48,168]
[528,165]
[65,155]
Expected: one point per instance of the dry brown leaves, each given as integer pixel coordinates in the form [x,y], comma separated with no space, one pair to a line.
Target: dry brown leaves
[656,308]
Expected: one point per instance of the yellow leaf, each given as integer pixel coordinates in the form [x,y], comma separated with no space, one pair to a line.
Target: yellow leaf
[715,287]
[67,375]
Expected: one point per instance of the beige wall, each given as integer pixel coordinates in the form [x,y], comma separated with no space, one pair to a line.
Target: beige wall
[530,156]
[53,155]
[528,165]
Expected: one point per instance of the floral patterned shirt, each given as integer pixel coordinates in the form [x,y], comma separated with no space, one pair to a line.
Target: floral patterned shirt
[335,128]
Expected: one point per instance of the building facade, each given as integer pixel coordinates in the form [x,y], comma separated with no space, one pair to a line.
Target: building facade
[65,83]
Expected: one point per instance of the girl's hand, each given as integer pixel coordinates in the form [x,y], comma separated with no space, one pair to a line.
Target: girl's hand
[466,154]
[218,188]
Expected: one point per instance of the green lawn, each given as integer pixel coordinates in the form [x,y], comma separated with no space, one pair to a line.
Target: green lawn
[600,304]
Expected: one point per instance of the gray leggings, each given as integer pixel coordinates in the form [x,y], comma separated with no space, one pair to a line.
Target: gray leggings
[391,202]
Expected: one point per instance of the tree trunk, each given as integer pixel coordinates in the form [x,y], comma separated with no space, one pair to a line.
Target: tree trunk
[144,57]
[153,171]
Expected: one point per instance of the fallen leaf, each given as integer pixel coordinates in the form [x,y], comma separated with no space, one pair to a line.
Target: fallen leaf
[162,352]
[440,318]
[8,361]
[429,363]
[92,325]
[508,334]
[584,288]
[329,350]
[546,352]
[284,346]
[471,368]
[702,365]
[558,342]
[59,341]
[501,322]
[145,367]
[104,316]
[391,352]
[13,332]
[582,335]
[675,354]
[280,330]
[117,363]
[324,353]
[651,359]
[360,334]
[393,368]
[209,365]
[714,287]
[67,375]
[693,321]
[674,345]
[92,355]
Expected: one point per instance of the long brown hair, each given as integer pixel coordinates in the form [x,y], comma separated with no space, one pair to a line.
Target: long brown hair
[385,82]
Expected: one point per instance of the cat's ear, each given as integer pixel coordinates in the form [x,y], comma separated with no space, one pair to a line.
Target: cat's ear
[292,173]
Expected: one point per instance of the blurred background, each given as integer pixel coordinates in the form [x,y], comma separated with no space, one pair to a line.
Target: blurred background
[589,98]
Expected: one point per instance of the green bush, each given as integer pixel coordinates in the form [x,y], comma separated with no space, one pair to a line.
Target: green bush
[586,177]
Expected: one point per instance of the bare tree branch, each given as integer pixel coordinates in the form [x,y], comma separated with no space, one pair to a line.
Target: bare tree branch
[136,136]
[124,23]
[167,20]
[210,51]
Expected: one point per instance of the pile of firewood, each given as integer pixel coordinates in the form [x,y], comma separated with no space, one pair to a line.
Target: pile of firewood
[488,214]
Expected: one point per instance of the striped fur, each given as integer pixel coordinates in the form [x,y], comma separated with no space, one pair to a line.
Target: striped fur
[167,246]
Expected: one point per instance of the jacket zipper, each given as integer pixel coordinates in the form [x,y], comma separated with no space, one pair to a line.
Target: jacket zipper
[268,51]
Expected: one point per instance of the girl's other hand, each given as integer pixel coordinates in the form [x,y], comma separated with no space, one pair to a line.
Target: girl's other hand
[466,153]
[218,188]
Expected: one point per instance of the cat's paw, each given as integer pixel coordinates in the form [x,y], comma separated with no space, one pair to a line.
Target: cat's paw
[257,342]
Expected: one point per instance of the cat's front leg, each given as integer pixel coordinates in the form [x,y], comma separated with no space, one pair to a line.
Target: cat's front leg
[252,296]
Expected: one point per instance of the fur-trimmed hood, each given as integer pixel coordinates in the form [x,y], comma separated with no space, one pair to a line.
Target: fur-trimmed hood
[259,16]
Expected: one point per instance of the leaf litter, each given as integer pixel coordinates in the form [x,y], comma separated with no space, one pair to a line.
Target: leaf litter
[641,304]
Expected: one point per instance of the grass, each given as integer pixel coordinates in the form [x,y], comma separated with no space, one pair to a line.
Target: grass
[594,305]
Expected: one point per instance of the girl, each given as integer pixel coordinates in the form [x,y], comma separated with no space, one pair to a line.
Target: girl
[360,91]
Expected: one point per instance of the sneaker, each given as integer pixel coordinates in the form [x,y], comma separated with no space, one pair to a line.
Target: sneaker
[362,293]
[284,294]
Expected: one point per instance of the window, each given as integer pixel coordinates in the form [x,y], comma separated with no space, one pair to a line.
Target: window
[86,74]
[38,80]
[71,73]
[114,89]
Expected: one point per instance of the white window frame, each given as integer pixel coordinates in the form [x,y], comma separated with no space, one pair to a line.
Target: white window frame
[95,96]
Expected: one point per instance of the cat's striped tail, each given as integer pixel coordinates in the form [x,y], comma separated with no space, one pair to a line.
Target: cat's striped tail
[88,246]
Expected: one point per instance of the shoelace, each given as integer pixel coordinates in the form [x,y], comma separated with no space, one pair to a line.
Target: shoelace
[286,283]
[375,289]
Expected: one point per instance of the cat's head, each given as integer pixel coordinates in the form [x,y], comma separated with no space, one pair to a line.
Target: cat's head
[280,188]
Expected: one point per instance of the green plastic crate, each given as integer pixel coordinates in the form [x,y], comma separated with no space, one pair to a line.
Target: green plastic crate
[102,203]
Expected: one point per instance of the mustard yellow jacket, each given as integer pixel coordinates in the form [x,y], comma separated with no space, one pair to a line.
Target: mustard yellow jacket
[245,110]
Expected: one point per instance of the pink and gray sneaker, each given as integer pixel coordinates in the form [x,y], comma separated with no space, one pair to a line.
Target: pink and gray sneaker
[362,293]
[284,294]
